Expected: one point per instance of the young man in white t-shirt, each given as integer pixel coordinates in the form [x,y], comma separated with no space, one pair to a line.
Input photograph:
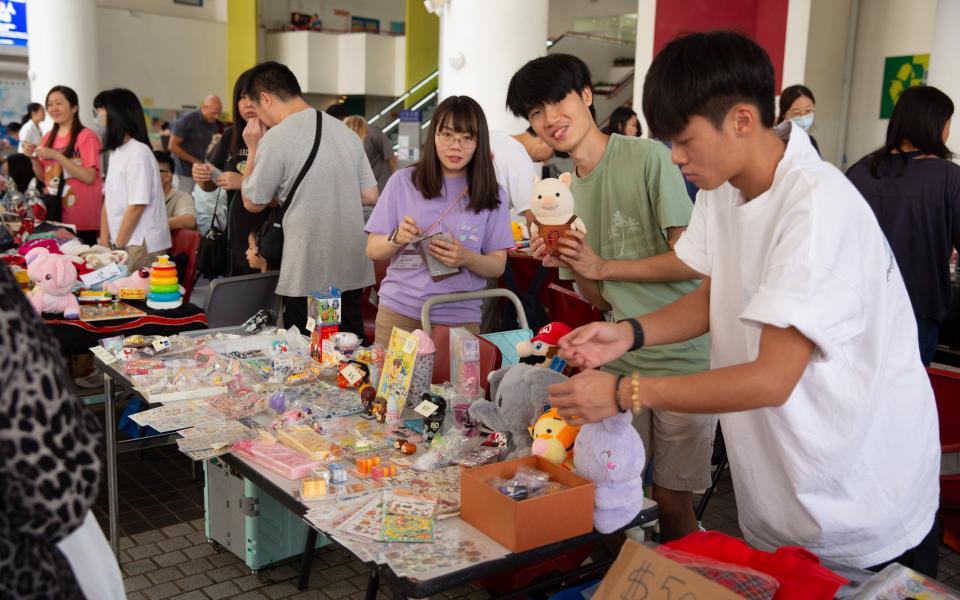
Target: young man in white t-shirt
[827,412]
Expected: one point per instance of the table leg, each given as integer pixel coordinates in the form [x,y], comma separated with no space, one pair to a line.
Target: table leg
[373,584]
[110,426]
[307,558]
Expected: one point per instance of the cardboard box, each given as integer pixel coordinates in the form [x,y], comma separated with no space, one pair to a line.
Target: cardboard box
[524,524]
[639,573]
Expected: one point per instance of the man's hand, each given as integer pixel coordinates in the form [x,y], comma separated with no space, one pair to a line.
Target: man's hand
[253,132]
[587,397]
[407,232]
[579,256]
[230,180]
[451,254]
[596,344]
[538,248]
[200,172]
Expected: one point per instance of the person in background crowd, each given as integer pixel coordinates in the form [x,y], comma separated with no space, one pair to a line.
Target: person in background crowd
[50,447]
[797,104]
[323,229]
[634,205]
[230,157]
[134,217]
[30,125]
[452,190]
[828,416]
[362,128]
[13,135]
[192,133]
[19,168]
[165,135]
[256,262]
[357,124]
[181,213]
[914,189]
[623,121]
[70,151]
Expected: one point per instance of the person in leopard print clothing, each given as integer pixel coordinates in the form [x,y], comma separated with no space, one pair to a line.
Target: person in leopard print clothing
[50,449]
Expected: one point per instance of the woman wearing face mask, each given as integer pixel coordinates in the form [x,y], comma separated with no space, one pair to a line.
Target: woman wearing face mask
[68,162]
[134,215]
[230,157]
[797,104]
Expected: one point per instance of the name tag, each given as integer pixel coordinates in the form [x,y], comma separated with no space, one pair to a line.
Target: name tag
[409,259]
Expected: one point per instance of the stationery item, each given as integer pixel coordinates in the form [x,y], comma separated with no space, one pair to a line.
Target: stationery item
[406,517]
[308,442]
[456,545]
[276,457]
[465,363]
[366,522]
[438,271]
[312,488]
[241,405]
[396,376]
[213,436]
[171,417]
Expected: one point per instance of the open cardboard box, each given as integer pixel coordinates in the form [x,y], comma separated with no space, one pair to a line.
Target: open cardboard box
[524,524]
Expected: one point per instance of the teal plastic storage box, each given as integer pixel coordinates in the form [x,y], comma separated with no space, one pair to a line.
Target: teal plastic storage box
[248,522]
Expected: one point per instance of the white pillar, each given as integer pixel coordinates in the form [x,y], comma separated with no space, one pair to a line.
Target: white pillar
[482,44]
[943,73]
[646,19]
[63,50]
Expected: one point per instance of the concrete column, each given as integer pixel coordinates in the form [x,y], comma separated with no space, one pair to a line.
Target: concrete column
[482,44]
[242,38]
[63,49]
[646,19]
[943,73]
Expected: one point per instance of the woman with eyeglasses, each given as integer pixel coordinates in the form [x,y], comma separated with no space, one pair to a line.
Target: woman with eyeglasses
[451,194]
[68,162]
[798,106]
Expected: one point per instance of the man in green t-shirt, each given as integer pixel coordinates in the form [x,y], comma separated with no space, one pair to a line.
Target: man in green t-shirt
[634,204]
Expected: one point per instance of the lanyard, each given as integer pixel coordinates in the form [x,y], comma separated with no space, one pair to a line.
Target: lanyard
[445,212]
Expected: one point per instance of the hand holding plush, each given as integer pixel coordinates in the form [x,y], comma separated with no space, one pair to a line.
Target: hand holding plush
[552,205]
[55,276]
[610,453]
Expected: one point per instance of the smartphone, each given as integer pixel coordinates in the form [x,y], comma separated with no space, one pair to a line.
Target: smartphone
[215,173]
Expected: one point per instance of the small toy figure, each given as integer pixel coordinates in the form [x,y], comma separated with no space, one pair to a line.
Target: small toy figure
[133,287]
[553,438]
[540,350]
[434,421]
[552,205]
[55,277]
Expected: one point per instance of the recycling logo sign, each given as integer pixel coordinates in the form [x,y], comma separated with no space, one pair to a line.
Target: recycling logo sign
[900,73]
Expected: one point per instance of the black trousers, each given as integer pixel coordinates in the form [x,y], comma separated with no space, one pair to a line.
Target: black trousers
[923,558]
[295,312]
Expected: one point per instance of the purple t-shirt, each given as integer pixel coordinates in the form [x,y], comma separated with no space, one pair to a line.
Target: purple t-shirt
[405,290]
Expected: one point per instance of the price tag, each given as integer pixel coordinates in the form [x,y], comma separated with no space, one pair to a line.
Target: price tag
[104,356]
[161,344]
[410,346]
[426,408]
[437,389]
[471,350]
[352,373]
[311,324]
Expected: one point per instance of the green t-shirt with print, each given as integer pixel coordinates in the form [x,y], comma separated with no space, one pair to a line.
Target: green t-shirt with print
[627,203]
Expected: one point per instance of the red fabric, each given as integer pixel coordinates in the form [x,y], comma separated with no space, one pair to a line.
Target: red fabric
[799,572]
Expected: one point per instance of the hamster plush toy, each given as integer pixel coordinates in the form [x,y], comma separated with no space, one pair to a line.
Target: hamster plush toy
[519,393]
[55,276]
[610,454]
[553,438]
[552,205]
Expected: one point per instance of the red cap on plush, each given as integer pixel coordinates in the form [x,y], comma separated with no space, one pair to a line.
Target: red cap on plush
[552,332]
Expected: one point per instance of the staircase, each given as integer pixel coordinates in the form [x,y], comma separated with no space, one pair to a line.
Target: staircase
[610,61]
[388,118]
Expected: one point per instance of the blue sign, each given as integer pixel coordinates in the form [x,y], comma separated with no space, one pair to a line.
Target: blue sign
[13,22]
[411,116]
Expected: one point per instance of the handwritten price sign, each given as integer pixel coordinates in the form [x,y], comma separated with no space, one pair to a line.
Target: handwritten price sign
[639,573]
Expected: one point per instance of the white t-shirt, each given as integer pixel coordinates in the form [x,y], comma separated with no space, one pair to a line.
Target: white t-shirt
[29,133]
[134,178]
[848,467]
[515,170]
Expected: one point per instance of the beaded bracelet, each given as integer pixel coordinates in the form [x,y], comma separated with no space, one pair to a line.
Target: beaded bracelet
[635,393]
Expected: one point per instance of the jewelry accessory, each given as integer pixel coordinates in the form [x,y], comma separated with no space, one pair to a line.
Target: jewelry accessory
[635,393]
[638,337]
[620,378]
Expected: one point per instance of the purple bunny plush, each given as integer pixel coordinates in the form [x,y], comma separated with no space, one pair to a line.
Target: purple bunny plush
[610,454]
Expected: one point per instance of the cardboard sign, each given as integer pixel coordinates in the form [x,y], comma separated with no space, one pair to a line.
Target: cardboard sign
[639,573]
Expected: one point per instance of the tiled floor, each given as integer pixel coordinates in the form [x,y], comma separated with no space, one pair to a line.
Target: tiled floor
[165,553]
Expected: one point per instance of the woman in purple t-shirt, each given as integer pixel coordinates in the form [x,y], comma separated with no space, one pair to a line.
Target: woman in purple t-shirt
[451,195]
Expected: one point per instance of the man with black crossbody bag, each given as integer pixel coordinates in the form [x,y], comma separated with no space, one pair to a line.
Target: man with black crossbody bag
[312,172]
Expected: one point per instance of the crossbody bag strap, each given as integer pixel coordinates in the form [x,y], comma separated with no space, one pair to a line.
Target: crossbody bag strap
[306,166]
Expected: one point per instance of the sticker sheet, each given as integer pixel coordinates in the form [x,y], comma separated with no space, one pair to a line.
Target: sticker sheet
[456,545]
[366,522]
[407,518]
[444,484]
[171,417]
[213,436]
[240,405]
[324,399]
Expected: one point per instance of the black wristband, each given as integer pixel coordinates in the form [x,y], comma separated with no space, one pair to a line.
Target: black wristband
[638,337]
[616,394]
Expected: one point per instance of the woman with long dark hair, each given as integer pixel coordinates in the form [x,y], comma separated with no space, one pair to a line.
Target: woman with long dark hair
[68,162]
[134,215]
[30,125]
[914,189]
[798,106]
[230,157]
[623,120]
[452,190]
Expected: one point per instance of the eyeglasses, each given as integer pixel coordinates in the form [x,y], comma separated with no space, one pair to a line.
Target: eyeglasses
[446,138]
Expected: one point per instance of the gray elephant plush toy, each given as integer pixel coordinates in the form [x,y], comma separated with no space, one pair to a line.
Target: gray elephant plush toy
[519,393]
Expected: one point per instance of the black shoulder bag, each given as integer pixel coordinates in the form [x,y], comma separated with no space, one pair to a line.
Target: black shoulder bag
[270,236]
[214,253]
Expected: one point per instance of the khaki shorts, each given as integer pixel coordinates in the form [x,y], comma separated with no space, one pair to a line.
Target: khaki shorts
[139,258]
[682,446]
[388,319]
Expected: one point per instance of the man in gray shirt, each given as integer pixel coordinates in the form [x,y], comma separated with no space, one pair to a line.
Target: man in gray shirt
[380,153]
[192,134]
[324,242]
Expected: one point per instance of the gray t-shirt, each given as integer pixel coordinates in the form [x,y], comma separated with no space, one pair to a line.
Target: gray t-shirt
[324,242]
[379,150]
[196,133]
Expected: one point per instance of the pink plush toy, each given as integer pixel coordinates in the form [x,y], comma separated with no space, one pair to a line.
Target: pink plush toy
[138,280]
[55,276]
